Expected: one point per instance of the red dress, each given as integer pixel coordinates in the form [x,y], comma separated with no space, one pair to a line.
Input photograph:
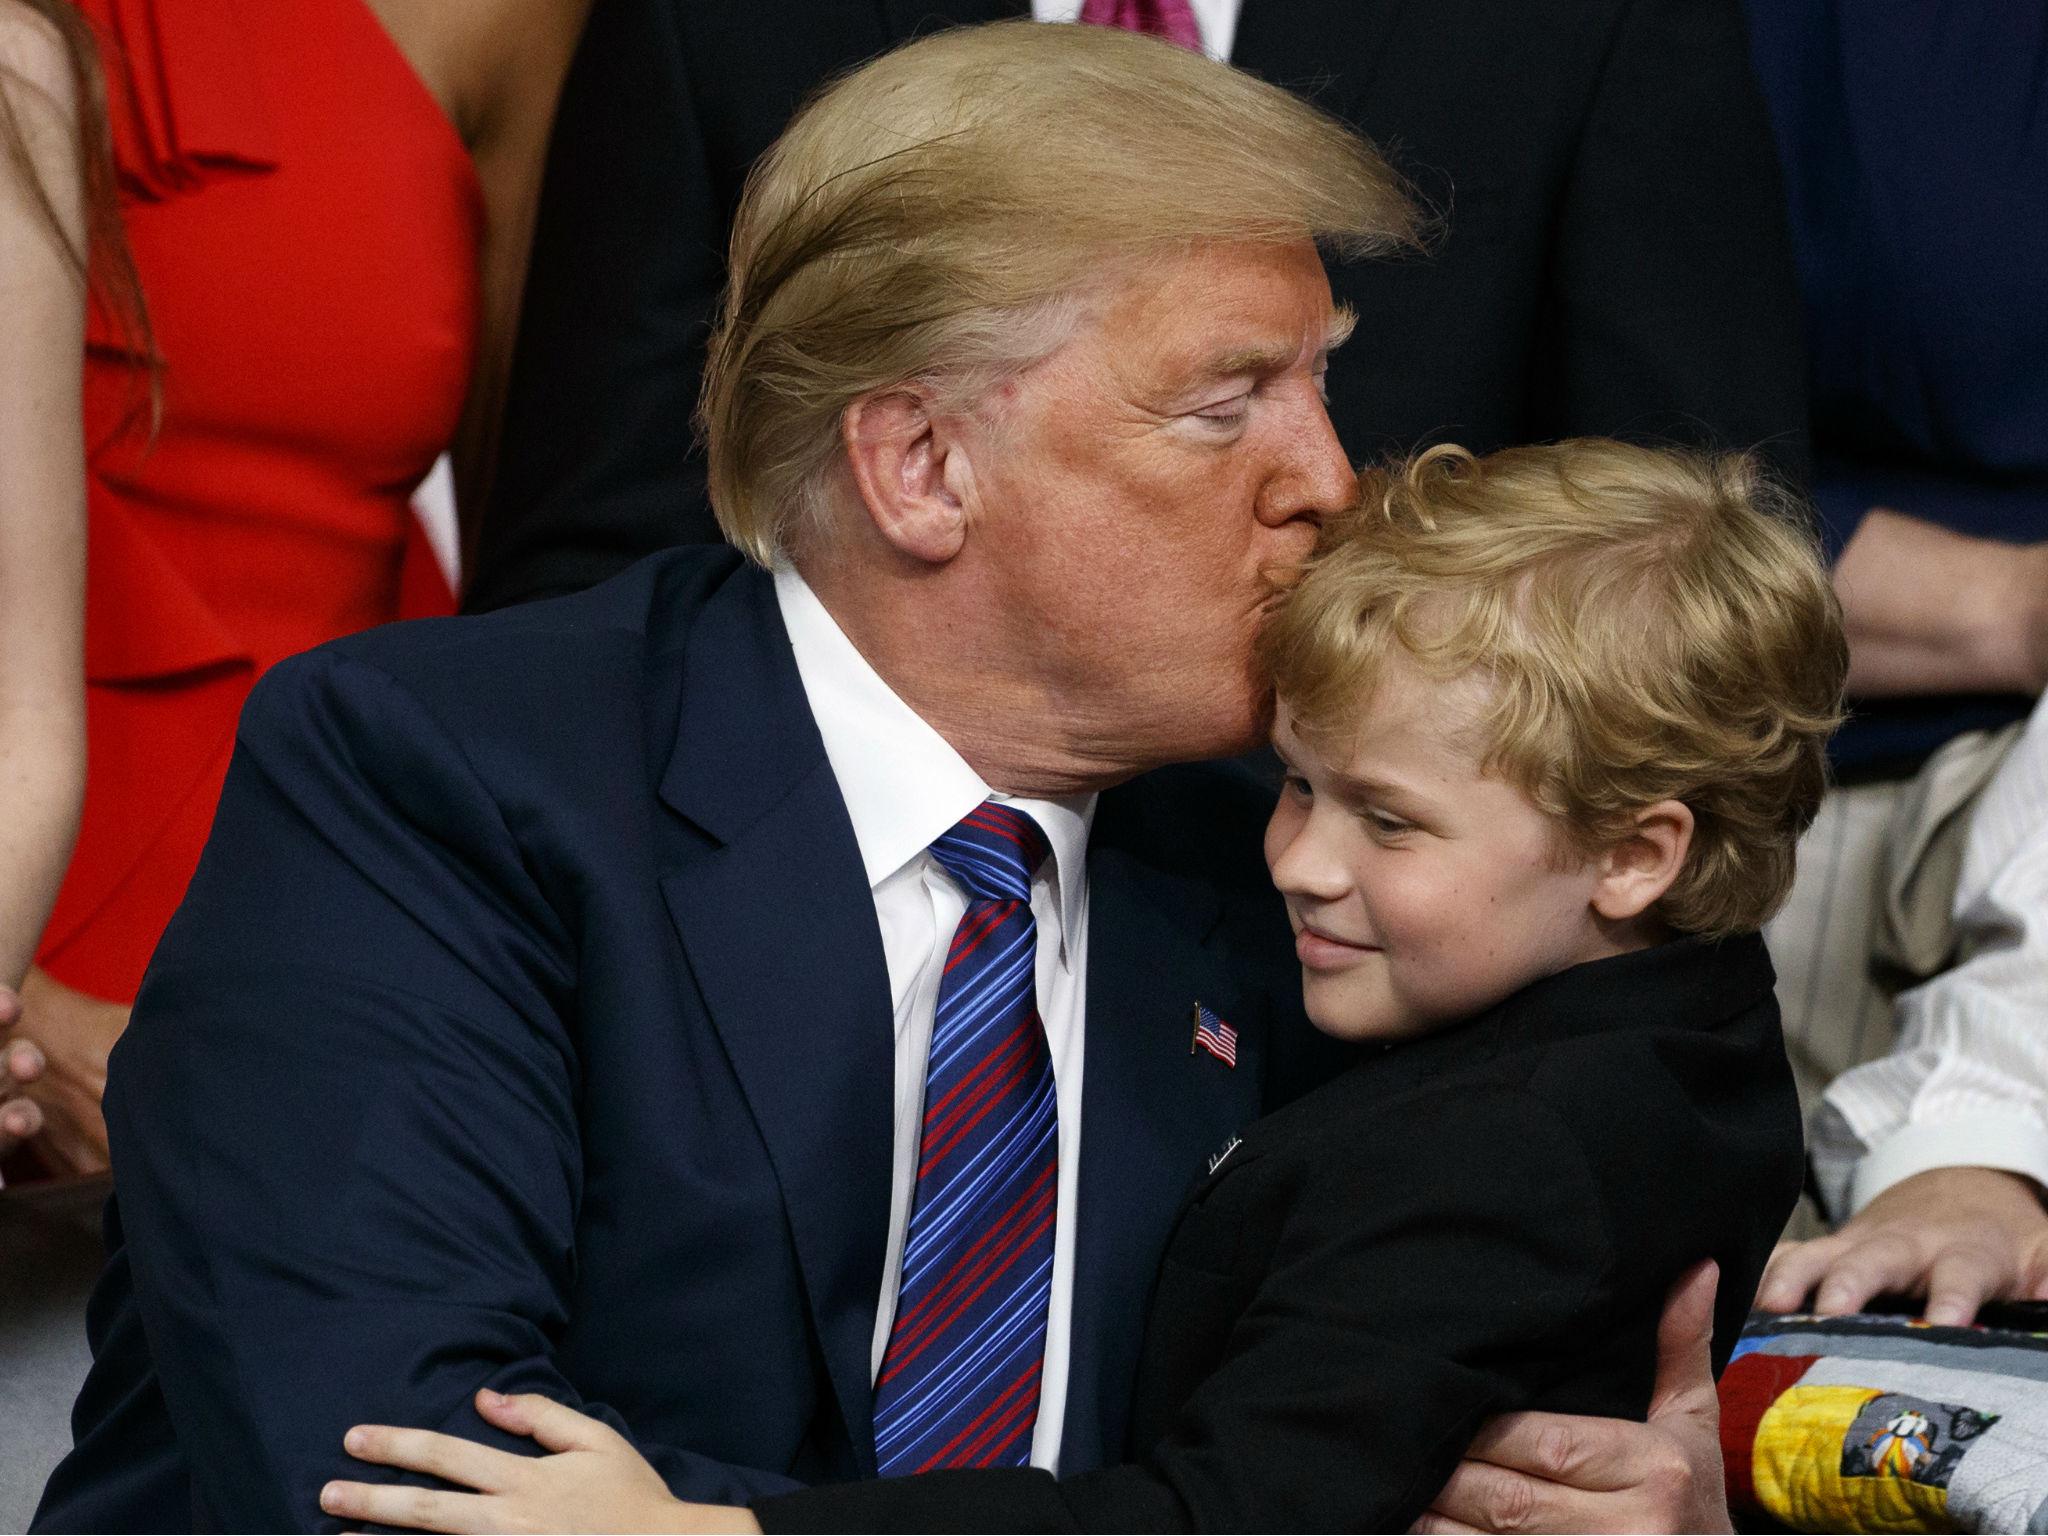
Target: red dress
[307,224]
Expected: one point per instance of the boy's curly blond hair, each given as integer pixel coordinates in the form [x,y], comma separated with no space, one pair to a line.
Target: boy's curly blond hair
[1655,625]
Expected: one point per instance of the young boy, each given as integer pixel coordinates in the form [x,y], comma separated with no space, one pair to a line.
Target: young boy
[1553,723]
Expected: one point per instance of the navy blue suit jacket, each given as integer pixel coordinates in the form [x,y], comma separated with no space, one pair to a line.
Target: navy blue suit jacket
[526,1025]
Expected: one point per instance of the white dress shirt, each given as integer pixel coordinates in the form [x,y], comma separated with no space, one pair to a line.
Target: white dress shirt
[1967,1083]
[903,787]
[1215,19]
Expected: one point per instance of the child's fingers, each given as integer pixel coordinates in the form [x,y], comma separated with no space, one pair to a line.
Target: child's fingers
[451,1459]
[418,1509]
[554,1426]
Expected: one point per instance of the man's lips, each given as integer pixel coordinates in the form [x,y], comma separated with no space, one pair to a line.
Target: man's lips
[1320,951]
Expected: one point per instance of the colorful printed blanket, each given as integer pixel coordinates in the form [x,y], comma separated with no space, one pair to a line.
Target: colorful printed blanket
[1869,1423]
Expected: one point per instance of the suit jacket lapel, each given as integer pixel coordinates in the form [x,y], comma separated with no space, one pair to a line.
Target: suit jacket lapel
[777,921]
[1152,1114]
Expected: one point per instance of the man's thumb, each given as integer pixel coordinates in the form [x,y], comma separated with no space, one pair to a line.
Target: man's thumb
[1685,1340]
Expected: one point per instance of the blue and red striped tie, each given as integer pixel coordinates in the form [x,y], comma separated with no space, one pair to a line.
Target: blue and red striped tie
[959,1380]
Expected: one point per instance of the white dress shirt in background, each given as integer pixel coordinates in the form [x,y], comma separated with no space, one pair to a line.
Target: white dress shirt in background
[903,787]
[1967,1083]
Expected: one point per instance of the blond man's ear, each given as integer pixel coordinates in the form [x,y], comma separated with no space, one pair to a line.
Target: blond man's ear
[910,469]
[1638,868]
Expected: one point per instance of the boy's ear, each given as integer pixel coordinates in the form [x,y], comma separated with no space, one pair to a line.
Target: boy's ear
[1638,869]
[909,469]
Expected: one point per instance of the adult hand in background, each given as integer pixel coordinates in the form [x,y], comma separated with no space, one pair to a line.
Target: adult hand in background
[1556,1472]
[1958,1236]
[20,1063]
[57,1059]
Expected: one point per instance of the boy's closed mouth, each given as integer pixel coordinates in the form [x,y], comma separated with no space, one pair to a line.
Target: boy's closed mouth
[1321,950]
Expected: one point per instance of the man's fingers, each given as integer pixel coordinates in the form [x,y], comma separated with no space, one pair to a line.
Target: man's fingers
[554,1426]
[1484,1496]
[447,1457]
[1557,1447]
[1962,1280]
[1883,1262]
[1434,1524]
[1794,1270]
[419,1509]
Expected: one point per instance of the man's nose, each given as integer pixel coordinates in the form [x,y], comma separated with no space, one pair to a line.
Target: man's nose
[1313,478]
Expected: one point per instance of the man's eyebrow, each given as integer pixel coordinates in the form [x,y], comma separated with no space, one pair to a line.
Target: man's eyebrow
[1261,360]
[1343,320]
[1247,360]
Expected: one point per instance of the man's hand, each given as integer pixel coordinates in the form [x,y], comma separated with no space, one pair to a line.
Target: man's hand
[1553,1472]
[593,1481]
[1958,1236]
[56,1062]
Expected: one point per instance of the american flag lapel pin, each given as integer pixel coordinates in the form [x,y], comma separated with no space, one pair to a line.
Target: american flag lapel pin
[1214,1036]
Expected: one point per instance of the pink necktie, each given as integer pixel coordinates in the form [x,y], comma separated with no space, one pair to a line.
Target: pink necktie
[1170,19]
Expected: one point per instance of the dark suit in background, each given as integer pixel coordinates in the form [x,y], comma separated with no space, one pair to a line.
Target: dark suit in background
[527,1025]
[1616,259]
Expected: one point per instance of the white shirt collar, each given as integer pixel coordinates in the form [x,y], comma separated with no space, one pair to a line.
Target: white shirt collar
[902,781]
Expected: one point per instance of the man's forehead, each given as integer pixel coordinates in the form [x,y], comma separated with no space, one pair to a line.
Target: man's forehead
[1223,356]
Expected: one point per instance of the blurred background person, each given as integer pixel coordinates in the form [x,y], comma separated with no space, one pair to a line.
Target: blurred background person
[47,161]
[59,243]
[1915,143]
[1615,258]
[329,205]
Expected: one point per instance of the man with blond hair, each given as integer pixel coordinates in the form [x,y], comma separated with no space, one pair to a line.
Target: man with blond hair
[672,999]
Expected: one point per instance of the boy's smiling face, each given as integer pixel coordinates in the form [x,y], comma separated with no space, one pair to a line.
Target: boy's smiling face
[1420,890]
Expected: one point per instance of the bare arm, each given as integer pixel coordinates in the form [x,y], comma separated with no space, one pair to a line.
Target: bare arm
[42,487]
[1930,611]
[496,69]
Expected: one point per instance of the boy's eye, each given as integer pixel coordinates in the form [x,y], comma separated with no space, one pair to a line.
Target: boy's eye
[1294,784]
[1384,825]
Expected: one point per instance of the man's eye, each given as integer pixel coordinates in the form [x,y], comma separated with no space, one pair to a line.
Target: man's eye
[1225,413]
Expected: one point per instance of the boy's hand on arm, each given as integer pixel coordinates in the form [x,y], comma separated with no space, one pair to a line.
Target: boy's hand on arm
[1556,1472]
[592,1480]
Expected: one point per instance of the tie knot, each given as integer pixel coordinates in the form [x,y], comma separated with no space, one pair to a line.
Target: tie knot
[993,852]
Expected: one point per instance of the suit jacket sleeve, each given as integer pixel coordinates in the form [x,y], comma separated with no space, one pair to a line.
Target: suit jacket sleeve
[1672,277]
[1462,1265]
[596,466]
[345,1111]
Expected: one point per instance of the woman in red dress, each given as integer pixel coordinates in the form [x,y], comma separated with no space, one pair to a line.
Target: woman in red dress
[52,139]
[329,203]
